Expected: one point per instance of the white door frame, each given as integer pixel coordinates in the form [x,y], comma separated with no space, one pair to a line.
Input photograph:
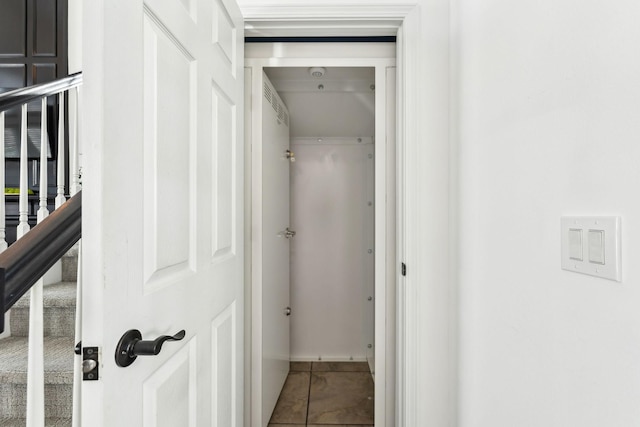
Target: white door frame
[300,56]
[375,20]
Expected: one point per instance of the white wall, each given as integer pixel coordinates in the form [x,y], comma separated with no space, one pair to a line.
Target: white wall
[332,272]
[549,96]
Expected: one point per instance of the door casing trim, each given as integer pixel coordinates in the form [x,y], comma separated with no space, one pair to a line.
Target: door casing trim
[384,186]
[402,21]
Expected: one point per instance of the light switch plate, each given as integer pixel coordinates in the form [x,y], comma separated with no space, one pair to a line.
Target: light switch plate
[600,242]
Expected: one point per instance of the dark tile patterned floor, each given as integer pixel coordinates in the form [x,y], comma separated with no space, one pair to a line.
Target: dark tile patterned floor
[325,394]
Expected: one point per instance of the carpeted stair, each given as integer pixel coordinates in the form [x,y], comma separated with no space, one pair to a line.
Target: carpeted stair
[59,325]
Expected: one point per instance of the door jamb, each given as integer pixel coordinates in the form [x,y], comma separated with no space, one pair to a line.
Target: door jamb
[403,21]
[383,248]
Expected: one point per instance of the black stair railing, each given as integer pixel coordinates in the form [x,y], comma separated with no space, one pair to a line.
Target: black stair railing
[24,262]
[29,258]
[21,96]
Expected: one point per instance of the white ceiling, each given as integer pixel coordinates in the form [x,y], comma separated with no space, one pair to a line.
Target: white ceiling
[343,107]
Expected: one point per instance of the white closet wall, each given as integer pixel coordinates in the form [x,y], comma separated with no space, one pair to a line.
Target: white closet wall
[332,254]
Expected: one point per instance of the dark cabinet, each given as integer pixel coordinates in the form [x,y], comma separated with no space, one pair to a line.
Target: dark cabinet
[33,49]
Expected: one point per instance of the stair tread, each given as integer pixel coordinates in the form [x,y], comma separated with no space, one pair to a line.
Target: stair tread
[49,422]
[58,360]
[61,294]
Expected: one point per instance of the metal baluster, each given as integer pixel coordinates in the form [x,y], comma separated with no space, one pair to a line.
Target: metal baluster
[3,240]
[60,198]
[43,210]
[35,372]
[23,222]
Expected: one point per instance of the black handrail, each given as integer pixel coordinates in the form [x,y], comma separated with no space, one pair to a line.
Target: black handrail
[21,96]
[29,258]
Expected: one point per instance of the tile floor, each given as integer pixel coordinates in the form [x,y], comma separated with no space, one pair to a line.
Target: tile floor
[325,394]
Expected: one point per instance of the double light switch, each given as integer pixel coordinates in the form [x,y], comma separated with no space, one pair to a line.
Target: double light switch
[594,244]
[591,245]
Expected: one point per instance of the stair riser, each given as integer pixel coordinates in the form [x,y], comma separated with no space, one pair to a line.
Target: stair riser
[59,328]
[69,268]
[58,397]
[58,321]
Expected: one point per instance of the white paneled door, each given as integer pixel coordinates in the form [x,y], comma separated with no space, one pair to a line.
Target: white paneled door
[162,220]
[272,311]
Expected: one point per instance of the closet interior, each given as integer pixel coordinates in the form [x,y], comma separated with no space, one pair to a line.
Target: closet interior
[331,118]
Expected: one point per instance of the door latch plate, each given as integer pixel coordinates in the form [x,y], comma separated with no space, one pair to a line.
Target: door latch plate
[90,363]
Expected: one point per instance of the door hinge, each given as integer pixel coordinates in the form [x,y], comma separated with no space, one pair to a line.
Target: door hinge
[287,233]
[290,156]
[404,269]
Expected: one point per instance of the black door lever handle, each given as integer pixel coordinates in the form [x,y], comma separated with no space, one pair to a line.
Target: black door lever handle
[131,346]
